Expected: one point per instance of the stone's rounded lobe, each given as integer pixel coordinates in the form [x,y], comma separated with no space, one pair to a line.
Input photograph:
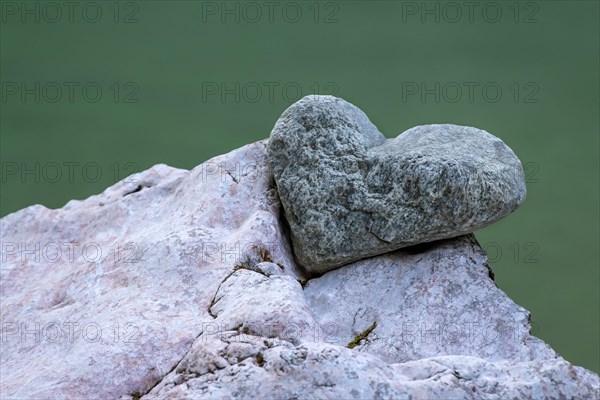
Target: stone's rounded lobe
[348,193]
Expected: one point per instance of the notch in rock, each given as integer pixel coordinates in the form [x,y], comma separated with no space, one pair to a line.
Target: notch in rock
[137,189]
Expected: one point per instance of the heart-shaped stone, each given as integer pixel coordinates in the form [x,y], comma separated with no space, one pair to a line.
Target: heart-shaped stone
[350,193]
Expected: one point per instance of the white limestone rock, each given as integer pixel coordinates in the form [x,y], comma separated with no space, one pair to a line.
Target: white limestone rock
[193,293]
[118,286]
[440,301]
[237,366]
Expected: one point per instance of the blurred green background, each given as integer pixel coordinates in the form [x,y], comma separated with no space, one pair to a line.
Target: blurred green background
[167,74]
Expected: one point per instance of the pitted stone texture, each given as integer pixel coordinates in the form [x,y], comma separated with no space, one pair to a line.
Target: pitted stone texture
[234,361]
[190,305]
[265,305]
[348,193]
[237,366]
[136,271]
[440,301]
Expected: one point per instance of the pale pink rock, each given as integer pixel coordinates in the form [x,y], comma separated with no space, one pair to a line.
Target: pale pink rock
[161,287]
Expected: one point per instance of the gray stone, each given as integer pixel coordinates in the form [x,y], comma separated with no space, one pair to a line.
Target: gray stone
[348,193]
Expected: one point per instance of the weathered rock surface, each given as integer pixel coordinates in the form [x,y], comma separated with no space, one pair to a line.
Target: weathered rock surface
[348,193]
[103,297]
[182,284]
[441,301]
[249,367]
